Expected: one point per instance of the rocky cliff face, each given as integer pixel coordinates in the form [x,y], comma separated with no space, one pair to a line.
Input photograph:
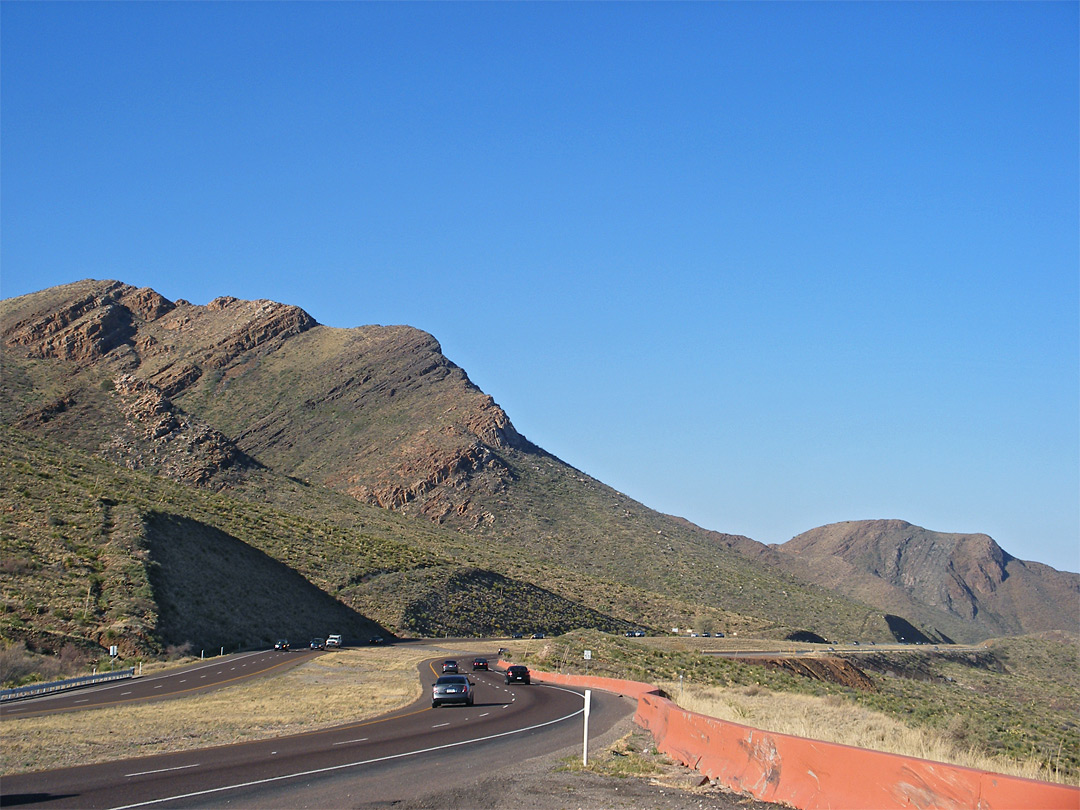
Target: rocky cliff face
[966,576]
[198,390]
[126,352]
[96,319]
[138,330]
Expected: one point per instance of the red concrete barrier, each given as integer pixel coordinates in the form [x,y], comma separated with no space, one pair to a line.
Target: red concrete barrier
[811,774]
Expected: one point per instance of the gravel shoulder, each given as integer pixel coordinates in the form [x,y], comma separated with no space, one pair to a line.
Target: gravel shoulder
[625,772]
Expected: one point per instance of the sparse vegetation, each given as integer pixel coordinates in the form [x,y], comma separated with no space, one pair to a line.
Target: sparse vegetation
[1013,705]
[632,755]
[834,719]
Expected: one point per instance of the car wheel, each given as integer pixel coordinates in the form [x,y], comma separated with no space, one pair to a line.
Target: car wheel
[434,704]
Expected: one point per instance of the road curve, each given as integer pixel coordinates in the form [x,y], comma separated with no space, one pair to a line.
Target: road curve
[399,757]
[181,681]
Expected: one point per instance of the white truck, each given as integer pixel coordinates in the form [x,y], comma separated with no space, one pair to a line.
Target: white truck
[333,641]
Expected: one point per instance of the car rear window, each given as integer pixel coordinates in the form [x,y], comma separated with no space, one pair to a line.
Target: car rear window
[451,679]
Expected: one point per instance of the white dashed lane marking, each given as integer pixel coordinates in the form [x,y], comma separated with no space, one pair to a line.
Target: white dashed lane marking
[163,770]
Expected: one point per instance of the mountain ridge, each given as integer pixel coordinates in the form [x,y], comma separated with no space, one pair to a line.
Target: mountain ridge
[231,396]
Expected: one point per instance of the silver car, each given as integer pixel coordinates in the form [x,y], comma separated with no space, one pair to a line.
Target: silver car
[452,689]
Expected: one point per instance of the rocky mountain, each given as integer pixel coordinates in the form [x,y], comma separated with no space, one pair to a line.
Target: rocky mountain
[964,584]
[369,437]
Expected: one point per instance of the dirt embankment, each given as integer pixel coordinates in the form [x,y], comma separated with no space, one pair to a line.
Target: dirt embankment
[832,670]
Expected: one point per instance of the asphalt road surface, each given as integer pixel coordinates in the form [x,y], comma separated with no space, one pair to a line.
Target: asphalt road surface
[202,676]
[404,756]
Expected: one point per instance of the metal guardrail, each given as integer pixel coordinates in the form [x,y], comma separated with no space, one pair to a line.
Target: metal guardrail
[35,689]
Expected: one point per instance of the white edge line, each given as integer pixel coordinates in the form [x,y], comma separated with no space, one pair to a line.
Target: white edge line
[356,764]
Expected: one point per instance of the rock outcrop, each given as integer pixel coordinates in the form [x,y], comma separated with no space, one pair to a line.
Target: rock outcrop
[171,442]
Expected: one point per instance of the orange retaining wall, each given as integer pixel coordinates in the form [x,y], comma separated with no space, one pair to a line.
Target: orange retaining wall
[811,774]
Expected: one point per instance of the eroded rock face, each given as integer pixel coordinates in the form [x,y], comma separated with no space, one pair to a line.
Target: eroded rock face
[171,442]
[440,484]
[157,352]
[89,326]
[169,344]
[152,350]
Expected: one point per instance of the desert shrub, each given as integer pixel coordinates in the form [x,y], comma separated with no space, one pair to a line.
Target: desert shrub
[20,666]
[15,664]
[176,651]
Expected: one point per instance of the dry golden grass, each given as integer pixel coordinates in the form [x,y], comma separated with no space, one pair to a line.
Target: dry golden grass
[347,686]
[834,719]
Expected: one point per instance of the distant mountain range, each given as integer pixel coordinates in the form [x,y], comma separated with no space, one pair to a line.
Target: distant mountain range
[166,462]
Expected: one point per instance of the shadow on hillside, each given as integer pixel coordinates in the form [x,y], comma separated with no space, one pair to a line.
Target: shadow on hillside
[214,590]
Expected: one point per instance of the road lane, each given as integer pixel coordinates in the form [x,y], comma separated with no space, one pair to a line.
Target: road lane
[198,677]
[399,755]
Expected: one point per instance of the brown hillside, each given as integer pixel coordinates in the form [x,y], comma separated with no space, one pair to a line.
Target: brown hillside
[965,577]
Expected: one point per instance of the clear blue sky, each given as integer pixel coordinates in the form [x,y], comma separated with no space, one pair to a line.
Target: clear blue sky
[766,266]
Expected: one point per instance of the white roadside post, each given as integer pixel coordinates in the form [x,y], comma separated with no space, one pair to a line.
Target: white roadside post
[585,747]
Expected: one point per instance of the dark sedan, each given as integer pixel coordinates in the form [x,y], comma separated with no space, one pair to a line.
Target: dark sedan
[518,674]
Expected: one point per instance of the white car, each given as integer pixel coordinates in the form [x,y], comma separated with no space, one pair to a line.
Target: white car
[333,641]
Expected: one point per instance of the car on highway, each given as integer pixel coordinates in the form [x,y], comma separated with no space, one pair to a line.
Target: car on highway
[518,674]
[318,644]
[333,641]
[281,644]
[479,663]
[451,689]
[450,666]
[376,640]
[537,635]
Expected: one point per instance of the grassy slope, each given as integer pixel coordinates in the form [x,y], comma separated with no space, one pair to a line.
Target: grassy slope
[97,553]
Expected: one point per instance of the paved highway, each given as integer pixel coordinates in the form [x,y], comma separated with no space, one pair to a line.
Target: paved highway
[202,676]
[399,757]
